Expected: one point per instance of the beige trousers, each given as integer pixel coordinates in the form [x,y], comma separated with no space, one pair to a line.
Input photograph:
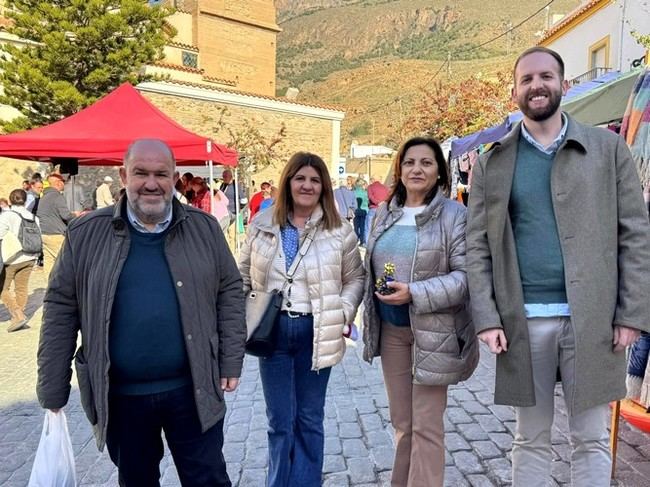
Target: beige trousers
[416,413]
[18,274]
[552,344]
[51,247]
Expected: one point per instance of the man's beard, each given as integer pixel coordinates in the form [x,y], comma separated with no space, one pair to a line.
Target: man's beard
[149,213]
[543,113]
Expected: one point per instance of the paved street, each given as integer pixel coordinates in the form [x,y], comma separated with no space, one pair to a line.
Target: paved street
[358,446]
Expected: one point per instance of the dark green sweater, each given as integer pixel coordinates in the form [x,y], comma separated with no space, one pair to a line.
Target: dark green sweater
[535,229]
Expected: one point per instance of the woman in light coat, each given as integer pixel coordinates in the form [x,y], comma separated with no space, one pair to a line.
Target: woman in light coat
[418,322]
[321,299]
[17,270]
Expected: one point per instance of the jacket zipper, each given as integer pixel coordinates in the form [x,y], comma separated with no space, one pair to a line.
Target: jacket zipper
[411,321]
[109,296]
[320,313]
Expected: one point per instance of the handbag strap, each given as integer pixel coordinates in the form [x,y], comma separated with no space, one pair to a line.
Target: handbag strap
[309,238]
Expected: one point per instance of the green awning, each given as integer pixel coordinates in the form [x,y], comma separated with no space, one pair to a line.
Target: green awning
[604,104]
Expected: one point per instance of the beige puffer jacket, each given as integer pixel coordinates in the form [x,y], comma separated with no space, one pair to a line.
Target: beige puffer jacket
[334,276]
[445,349]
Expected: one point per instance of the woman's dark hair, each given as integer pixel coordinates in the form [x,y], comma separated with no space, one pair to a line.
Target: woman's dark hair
[284,202]
[399,190]
[17,197]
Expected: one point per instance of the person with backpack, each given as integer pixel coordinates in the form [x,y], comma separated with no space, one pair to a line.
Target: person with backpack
[20,227]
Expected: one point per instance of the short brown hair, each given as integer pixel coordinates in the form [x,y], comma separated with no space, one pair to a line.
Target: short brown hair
[544,50]
[399,190]
[284,203]
[18,197]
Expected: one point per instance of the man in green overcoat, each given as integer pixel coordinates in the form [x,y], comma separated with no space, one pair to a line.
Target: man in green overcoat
[558,260]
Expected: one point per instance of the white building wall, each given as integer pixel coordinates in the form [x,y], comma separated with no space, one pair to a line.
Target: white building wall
[622,16]
[636,18]
[574,45]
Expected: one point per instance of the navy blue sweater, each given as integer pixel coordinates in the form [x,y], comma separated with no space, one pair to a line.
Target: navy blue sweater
[147,348]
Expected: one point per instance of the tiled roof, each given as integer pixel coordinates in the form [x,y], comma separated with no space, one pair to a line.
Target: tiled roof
[223,81]
[178,67]
[253,95]
[577,12]
[183,46]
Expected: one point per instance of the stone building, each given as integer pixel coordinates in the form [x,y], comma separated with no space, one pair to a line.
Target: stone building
[223,58]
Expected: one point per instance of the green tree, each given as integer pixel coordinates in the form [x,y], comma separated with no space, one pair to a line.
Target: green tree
[257,148]
[643,39]
[77,51]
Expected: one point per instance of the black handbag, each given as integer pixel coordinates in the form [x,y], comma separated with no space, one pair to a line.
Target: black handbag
[263,308]
[261,339]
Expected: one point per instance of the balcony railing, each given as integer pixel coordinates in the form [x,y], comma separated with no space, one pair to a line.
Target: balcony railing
[589,75]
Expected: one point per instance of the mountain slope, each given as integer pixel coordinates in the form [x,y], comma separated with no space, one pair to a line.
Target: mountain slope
[365,54]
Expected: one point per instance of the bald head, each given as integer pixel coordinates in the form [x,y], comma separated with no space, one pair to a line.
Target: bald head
[149,176]
[140,147]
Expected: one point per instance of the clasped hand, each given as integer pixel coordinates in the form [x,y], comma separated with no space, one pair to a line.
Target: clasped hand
[402,294]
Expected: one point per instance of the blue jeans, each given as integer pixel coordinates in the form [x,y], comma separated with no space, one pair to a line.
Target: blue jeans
[295,406]
[135,443]
[639,356]
[369,217]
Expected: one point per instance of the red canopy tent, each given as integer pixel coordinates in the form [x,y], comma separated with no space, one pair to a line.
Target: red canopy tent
[100,134]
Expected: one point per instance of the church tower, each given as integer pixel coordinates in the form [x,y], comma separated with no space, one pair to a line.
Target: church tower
[228,42]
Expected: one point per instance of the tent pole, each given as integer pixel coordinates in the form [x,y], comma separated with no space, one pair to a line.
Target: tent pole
[211,169]
[237,210]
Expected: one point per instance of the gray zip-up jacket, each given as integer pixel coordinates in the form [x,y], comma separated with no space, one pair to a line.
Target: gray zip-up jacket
[445,349]
[80,298]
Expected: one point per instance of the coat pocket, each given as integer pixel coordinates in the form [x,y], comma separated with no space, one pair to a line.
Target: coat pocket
[85,386]
[214,365]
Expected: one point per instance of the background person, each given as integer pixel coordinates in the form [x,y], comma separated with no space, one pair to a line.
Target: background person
[322,297]
[256,200]
[422,331]
[34,195]
[18,270]
[104,193]
[54,215]
[377,194]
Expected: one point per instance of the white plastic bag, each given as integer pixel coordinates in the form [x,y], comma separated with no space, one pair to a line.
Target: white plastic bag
[54,462]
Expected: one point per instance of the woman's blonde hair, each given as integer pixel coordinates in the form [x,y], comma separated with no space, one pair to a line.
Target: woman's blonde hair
[284,203]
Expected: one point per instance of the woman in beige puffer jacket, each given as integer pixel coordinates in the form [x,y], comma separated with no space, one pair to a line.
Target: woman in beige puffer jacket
[321,298]
[422,330]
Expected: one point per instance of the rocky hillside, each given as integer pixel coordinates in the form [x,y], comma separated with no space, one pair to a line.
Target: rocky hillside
[361,54]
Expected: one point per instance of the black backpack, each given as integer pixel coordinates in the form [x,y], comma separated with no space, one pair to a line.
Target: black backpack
[29,235]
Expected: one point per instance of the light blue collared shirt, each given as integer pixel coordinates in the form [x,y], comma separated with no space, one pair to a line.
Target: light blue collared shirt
[541,310]
[137,224]
[555,145]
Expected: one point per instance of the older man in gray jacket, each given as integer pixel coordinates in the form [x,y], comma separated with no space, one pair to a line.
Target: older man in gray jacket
[157,296]
[557,260]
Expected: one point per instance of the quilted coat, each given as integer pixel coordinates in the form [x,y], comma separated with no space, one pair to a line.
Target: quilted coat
[445,348]
[334,278]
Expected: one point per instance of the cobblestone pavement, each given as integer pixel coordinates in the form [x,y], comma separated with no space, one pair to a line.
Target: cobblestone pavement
[358,445]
